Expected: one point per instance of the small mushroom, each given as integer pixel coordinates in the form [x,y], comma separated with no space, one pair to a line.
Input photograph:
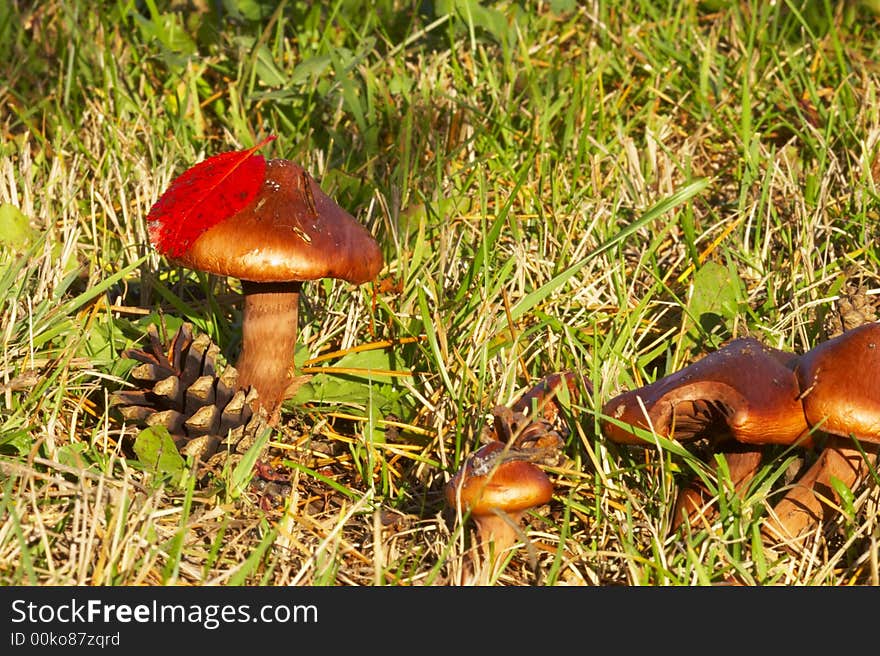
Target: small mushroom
[289,232]
[497,489]
[745,390]
[501,481]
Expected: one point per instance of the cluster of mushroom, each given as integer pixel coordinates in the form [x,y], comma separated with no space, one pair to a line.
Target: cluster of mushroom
[272,227]
[741,397]
[501,481]
[756,395]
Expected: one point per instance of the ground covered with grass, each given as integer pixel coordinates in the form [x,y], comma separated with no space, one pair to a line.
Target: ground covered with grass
[608,188]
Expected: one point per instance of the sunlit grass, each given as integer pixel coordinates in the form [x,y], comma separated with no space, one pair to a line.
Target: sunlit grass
[547,181]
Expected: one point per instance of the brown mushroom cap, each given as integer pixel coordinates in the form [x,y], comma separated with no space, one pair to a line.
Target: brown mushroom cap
[840,383]
[745,387]
[513,486]
[291,231]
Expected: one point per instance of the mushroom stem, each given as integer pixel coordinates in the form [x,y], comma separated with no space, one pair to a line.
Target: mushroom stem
[268,341]
[694,501]
[496,535]
[813,496]
[497,532]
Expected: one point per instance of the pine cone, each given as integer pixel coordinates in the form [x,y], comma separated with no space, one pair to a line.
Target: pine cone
[853,308]
[205,412]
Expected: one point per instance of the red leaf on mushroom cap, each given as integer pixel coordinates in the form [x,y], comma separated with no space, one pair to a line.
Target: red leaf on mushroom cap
[204,195]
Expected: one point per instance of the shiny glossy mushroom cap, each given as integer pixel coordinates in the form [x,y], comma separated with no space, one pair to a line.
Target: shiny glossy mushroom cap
[290,231]
[840,383]
[486,483]
[744,388]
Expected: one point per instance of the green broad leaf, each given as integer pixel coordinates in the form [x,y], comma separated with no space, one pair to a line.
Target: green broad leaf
[360,381]
[158,454]
[714,304]
[16,232]
[310,69]
[267,71]
[370,366]
[372,430]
